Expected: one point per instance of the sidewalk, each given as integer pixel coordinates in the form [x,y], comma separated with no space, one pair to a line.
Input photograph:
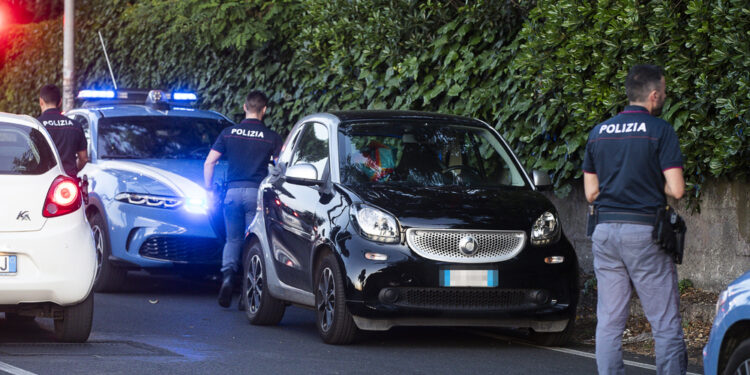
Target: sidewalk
[697,308]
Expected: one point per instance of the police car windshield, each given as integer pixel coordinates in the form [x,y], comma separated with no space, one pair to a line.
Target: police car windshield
[431,154]
[157,137]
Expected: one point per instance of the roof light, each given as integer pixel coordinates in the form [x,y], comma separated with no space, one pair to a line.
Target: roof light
[96,94]
[184,96]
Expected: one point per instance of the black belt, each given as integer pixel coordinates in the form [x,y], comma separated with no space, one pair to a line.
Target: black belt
[626,217]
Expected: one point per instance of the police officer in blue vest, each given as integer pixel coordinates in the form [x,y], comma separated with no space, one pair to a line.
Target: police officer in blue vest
[632,162]
[249,147]
[66,133]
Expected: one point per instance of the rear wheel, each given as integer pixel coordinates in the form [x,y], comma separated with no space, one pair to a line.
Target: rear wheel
[109,278]
[334,321]
[75,324]
[260,307]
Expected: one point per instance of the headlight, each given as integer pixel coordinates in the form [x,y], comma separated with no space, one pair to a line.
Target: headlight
[546,230]
[376,224]
[149,200]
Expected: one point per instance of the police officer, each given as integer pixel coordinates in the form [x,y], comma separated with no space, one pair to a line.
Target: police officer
[67,134]
[249,147]
[632,162]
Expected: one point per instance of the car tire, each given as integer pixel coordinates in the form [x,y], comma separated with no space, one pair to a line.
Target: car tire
[109,278]
[333,319]
[739,361]
[260,307]
[75,323]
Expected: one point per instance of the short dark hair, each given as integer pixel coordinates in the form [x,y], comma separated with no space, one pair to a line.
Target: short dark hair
[642,79]
[50,94]
[255,101]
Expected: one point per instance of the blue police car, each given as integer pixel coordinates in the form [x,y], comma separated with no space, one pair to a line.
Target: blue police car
[728,348]
[146,203]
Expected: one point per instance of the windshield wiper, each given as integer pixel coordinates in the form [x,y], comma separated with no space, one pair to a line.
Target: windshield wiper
[122,157]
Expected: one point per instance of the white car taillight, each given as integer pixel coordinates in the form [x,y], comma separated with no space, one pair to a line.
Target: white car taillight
[63,197]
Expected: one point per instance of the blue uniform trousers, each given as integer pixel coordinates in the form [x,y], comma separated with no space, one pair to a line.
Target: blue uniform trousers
[239,211]
[625,253]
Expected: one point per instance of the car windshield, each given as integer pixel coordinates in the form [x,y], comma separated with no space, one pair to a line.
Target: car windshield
[157,137]
[430,154]
[24,150]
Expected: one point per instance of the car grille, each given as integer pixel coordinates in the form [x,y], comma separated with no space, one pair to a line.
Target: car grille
[465,299]
[182,249]
[443,245]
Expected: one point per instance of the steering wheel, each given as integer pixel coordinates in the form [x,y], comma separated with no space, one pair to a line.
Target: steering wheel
[471,173]
[200,151]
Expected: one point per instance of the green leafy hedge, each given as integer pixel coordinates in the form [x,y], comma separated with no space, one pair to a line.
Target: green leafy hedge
[543,73]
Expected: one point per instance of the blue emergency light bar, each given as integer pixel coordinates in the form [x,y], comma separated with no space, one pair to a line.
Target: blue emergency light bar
[96,94]
[138,96]
[184,96]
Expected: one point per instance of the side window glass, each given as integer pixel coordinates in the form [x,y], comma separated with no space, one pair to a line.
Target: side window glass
[84,121]
[312,147]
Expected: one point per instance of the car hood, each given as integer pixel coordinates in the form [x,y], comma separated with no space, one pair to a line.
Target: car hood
[160,176]
[482,209]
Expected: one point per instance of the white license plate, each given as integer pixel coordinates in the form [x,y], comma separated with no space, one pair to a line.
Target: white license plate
[468,278]
[8,264]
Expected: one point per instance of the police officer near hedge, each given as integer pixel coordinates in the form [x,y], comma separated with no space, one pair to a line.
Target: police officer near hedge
[67,134]
[249,147]
[632,162]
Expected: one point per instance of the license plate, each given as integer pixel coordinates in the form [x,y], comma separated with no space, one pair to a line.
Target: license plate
[468,278]
[8,264]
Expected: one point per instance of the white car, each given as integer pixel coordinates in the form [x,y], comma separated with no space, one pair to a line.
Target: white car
[47,252]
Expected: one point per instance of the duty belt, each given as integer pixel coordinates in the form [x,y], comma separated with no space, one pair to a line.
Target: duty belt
[625,217]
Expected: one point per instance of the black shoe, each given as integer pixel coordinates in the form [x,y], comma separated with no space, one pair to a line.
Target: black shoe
[225,293]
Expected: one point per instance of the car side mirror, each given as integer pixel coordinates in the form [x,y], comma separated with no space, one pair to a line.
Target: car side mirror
[302,174]
[542,181]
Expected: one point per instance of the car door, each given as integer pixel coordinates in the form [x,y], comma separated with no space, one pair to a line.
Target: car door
[292,207]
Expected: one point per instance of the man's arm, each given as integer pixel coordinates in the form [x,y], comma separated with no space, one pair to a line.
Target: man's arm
[83,158]
[675,184]
[591,186]
[208,167]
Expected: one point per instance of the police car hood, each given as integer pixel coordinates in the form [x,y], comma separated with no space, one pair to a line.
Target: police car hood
[162,176]
[500,208]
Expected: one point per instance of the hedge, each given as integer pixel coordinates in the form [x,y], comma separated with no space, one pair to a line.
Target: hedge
[543,73]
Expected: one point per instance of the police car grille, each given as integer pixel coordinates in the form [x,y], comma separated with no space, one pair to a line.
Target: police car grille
[182,249]
[463,299]
[443,245]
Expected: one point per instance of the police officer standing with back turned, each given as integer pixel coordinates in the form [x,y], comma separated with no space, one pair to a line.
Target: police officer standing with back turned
[66,133]
[249,147]
[632,162]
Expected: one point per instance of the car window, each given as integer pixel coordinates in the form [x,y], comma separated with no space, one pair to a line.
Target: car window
[312,147]
[24,150]
[425,154]
[157,137]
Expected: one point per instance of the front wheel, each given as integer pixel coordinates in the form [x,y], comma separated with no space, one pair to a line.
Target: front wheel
[334,322]
[75,324]
[260,307]
[739,361]
[109,278]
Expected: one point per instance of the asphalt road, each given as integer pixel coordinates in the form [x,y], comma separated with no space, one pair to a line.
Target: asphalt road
[169,325]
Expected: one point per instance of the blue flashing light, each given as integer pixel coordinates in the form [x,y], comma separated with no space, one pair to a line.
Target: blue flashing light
[96,94]
[184,96]
[196,205]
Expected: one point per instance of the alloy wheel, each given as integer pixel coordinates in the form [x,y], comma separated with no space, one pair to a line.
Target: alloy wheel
[743,368]
[254,284]
[99,245]
[326,299]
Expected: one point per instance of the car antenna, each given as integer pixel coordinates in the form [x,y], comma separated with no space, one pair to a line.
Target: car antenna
[104,48]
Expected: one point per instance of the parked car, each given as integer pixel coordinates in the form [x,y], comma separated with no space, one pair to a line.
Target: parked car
[379,219]
[47,254]
[728,347]
[147,205]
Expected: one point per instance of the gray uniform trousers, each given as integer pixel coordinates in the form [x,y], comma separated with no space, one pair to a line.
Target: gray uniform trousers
[625,253]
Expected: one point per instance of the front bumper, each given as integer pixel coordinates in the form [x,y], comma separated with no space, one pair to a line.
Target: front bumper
[406,289]
[55,264]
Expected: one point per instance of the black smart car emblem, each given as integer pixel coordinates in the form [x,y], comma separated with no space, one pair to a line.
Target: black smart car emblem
[23,215]
[468,245]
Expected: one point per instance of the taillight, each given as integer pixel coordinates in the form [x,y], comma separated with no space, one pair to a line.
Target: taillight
[63,197]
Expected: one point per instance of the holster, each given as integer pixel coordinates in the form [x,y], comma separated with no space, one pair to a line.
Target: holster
[669,232]
[592,217]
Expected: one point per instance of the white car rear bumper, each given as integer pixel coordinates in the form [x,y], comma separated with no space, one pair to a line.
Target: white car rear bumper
[55,264]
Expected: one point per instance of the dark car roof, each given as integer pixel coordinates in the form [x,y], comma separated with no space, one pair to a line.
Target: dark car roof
[375,115]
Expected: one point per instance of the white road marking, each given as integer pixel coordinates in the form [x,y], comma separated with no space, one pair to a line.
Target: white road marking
[13,370]
[567,351]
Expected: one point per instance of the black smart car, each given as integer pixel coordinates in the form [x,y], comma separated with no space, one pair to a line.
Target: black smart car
[383,218]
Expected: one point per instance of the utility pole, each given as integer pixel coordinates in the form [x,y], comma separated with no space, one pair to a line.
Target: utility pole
[69,76]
